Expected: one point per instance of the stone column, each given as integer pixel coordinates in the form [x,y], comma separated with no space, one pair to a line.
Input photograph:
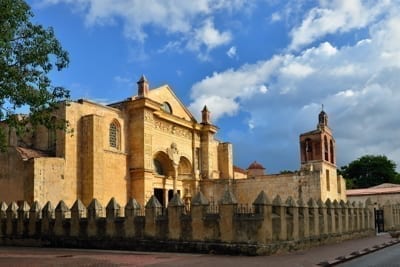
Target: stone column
[345,216]
[61,213]
[113,210]
[94,213]
[304,219]
[292,217]
[3,218]
[153,209]
[314,217]
[388,216]
[198,210]
[323,218]
[262,206]
[132,210]
[338,217]
[12,215]
[175,211]
[330,211]
[34,218]
[227,207]
[47,219]
[279,209]
[23,216]
[78,212]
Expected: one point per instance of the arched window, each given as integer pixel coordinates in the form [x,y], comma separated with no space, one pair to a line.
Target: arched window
[158,167]
[167,107]
[332,150]
[326,151]
[115,135]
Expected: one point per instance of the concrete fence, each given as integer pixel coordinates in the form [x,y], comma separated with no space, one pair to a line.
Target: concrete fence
[262,228]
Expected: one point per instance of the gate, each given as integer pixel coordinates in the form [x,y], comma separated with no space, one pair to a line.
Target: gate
[379,222]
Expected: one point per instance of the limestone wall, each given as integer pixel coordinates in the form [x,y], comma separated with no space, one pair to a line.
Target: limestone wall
[258,229]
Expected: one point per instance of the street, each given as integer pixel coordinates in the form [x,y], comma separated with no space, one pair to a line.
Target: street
[388,257]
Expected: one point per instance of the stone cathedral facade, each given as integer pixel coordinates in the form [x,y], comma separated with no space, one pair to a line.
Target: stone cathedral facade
[150,144]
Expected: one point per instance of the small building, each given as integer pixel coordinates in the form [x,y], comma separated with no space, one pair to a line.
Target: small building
[379,195]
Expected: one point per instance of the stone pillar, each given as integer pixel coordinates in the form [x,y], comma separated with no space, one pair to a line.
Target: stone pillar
[23,216]
[12,215]
[280,226]
[227,207]
[94,213]
[323,218]
[263,206]
[198,210]
[314,217]
[362,215]
[175,211]
[388,216]
[113,210]
[47,219]
[3,218]
[132,210]
[61,213]
[152,210]
[292,219]
[304,219]
[34,218]
[338,217]
[345,216]
[78,212]
[330,211]
[369,210]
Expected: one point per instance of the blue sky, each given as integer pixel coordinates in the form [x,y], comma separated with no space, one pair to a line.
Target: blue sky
[263,67]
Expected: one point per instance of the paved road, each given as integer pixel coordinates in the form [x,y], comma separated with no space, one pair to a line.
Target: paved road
[388,257]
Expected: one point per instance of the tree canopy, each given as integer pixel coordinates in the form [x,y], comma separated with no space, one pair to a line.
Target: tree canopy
[28,52]
[369,170]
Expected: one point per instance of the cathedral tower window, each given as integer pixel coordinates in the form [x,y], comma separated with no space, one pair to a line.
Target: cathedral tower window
[115,135]
[326,151]
[328,182]
[331,149]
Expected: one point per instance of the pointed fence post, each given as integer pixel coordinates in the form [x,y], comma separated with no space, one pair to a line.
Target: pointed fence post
[95,214]
[304,219]
[330,212]
[369,209]
[153,209]
[279,222]
[12,215]
[47,219]
[175,211]
[314,217]
[78,219]
[338,217]
[62,213]
[388,216]
[292,219]
[35,216]
[23,217]
[3,218]
[132,210]
[323,218]
[198,210]
[227,208]
[263,207]
[113,210]
[345,216]
[361,210]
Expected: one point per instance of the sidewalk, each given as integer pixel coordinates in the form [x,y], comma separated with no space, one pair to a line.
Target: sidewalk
[317,256]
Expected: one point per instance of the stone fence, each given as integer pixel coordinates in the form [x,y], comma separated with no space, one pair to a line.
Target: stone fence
[263,228]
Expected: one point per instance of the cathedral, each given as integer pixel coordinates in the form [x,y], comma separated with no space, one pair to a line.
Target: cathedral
[150,144]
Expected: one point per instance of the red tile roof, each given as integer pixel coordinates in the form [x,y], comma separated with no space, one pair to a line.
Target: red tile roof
[373,191]
[29,153]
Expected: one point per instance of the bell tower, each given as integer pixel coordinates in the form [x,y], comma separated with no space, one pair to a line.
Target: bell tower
[318,146]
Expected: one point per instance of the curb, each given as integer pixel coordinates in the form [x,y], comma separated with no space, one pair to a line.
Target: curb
[358,253]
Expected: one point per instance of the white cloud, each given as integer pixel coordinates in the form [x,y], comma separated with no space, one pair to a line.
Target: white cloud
[357,83]
[231,52]
[191,21]
[276,17]
[335,16]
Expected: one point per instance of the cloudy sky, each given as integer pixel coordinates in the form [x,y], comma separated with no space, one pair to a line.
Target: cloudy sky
[263,67]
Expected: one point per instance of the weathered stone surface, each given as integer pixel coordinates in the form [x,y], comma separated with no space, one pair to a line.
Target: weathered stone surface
[228,198]
[262,199]
[153,203]
[199,199]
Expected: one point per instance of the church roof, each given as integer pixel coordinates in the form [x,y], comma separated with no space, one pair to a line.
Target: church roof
[29,153]
[238,169]
[376,190]
[255,166]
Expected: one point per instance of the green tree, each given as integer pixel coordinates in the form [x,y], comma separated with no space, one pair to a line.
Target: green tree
[28,52]
[369,171]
